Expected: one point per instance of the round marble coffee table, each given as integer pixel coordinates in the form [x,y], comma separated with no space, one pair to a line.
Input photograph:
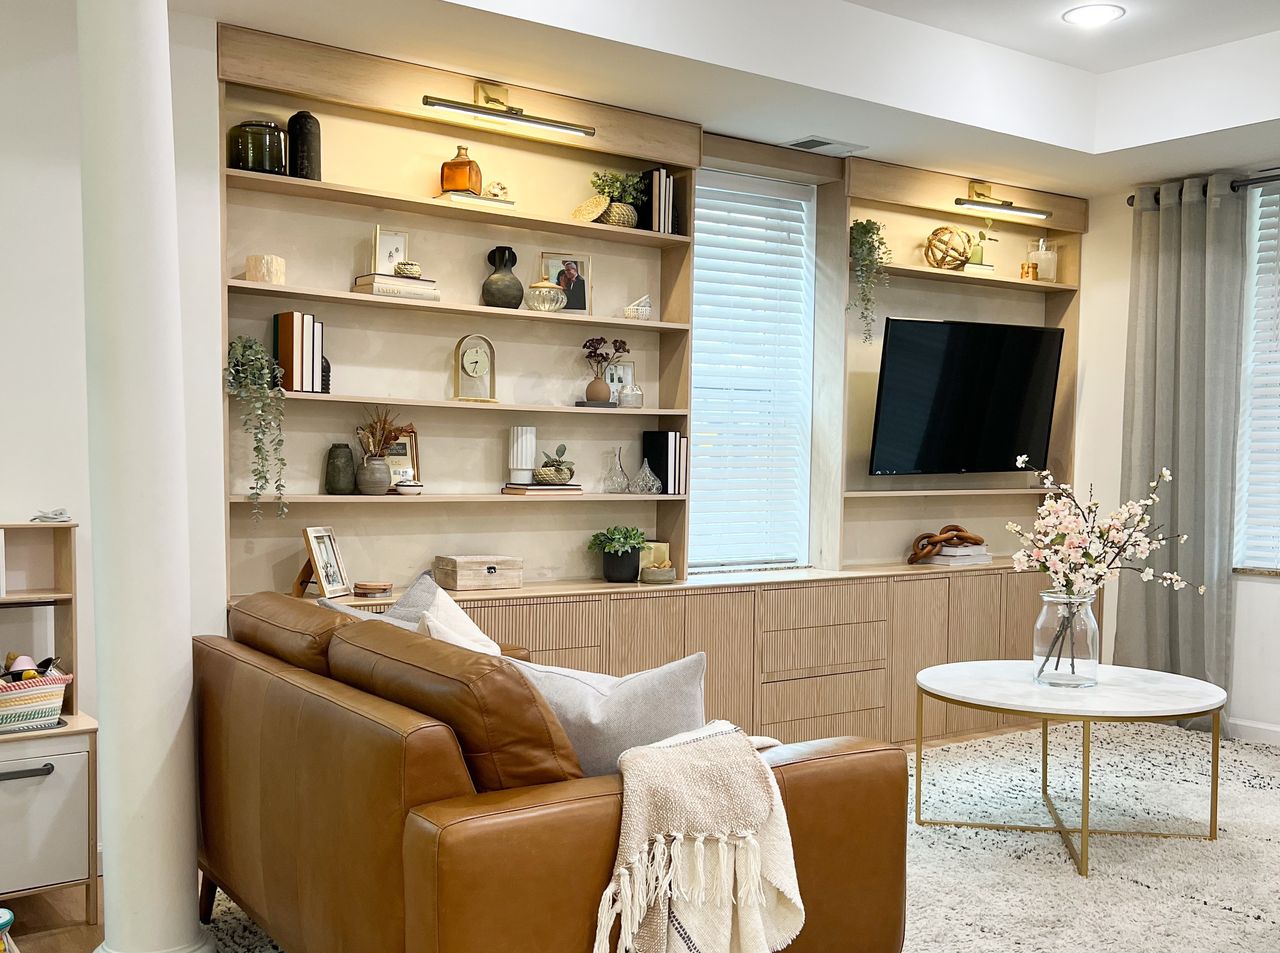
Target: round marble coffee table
[1122,694]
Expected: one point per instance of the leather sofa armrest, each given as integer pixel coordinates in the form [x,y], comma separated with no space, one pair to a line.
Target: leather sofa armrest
[515,651]
[548,852]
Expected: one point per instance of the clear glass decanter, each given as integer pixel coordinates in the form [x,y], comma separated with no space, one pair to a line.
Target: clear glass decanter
[616,480]
[646,481]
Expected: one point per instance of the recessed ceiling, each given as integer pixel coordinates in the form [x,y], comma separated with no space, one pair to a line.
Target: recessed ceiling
[1150,30]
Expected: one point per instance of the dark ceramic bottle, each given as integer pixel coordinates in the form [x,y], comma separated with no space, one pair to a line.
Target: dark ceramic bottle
[304,146]
[502,289]
[340,471]
[256,146]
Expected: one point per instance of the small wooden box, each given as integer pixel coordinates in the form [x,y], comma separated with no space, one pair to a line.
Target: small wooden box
[479,572]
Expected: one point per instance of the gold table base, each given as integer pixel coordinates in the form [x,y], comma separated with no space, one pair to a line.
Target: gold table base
[1079,853]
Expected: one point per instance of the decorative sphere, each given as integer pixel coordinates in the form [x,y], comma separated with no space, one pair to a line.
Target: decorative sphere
[948,247]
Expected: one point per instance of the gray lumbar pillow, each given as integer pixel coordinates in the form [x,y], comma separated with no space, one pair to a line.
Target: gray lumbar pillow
[366,614]
[418,598]
[604,716]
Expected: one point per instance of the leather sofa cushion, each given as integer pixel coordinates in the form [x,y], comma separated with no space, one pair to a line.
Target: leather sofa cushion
[508,735]
[296,631]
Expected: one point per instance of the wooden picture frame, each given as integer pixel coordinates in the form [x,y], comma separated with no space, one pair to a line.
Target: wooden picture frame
[402,458]
[553,263]
[327,567]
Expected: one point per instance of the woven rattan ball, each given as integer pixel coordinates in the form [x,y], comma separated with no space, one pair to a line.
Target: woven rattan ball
[948,247]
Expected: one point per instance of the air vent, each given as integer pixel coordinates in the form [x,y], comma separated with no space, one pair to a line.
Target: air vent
[825,146]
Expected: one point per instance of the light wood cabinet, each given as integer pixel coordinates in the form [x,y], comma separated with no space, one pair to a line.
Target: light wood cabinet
[645,632]
[723,625]
[567,632]
[918,636]
[974,629]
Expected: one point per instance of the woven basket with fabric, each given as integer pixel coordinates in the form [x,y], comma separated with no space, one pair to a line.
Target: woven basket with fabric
[33,704]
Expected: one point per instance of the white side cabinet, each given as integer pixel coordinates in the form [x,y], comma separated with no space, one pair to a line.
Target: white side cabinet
[48,811]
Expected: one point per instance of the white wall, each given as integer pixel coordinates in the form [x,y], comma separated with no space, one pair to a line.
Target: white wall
[1255,703]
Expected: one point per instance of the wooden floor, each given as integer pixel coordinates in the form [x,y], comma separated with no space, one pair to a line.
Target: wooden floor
[53,922]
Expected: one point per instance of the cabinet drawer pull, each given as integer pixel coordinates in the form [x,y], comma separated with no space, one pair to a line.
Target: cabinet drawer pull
[43,771]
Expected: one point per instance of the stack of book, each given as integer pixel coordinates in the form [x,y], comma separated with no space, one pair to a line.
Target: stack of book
[543,489]
[397,286]
[956,556]
[668,455]
[297,344]
[657,206]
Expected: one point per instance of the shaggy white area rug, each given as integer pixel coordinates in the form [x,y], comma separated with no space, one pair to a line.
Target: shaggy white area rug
[972,891]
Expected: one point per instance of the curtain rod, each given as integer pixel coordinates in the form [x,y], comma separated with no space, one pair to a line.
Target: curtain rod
[1236,185]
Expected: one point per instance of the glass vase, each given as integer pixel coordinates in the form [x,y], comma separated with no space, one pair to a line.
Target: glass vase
[616,480]
[630,395]
[646,481]
[1066,641]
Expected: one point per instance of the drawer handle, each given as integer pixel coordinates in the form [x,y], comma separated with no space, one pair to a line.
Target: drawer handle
[491,570]
[43,771]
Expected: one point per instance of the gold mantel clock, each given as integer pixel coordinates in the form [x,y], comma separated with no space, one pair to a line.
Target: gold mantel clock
[473,369]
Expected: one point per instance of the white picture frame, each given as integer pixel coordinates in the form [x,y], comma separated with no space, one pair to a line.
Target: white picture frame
[327,567]
[390,247]
[577,289]
[618,376]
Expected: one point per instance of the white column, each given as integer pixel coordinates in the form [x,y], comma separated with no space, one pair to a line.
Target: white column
[138,486]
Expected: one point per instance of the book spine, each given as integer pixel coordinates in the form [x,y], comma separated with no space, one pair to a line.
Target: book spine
[317,357]
[653,444]
[308,349]
[295,350]
[425,294]
[673,449]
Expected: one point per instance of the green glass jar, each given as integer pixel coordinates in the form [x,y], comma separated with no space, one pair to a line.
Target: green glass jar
[256,146]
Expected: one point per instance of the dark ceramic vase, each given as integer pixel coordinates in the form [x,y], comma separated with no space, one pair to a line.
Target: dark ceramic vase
[340,470]
[304,146]
[326,374]
[502,289]
[256,146]
[622,568]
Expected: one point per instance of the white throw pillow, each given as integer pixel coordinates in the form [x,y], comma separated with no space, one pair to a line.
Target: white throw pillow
[445,620]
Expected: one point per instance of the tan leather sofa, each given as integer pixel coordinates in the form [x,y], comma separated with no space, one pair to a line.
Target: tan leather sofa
[345,822]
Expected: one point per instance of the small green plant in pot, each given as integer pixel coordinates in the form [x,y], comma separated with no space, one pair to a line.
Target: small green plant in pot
[621,547]
[253,377]
[623,190]
[554,470]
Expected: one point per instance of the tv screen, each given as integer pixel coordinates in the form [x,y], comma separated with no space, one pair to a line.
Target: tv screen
[962,397]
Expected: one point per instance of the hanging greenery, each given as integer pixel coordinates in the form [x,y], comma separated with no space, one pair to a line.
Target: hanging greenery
[868,254]
[253,378]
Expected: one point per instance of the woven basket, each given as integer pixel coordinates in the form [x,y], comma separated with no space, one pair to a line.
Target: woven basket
[552,476]
[33,704]
[620,214]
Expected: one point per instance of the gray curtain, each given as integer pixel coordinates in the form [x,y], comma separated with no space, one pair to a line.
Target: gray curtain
[1180,411]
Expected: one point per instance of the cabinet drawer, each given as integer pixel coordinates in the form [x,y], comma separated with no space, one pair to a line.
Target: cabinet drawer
[856,724]
[44,821]
[787,649]
[542,626]
[821,695]
[803,607]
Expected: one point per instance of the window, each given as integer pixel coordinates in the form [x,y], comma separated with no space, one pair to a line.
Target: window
[752,372]
[1258,446]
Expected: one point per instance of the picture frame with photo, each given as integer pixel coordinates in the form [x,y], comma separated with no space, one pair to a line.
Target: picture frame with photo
[390,247]
[618,376]
[402,458]
[572,272]
[327,567]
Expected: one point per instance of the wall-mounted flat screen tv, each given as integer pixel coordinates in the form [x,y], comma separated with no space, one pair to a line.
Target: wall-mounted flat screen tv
[964,397]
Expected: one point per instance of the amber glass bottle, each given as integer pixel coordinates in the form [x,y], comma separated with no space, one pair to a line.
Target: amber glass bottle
[460,174]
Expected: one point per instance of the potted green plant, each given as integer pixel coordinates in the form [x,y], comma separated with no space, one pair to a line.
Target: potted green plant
[987,234]
[621,547]
[252,377]
[623,190]
[554,470]
[868,254]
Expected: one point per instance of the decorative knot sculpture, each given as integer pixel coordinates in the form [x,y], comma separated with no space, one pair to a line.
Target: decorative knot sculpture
[930,544]
[948,248]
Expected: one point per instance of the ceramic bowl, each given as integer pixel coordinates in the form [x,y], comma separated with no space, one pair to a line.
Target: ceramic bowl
[408,488]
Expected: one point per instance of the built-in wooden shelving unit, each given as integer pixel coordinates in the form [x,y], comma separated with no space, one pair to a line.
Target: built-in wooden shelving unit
[970,278]
[929,494]
[381,154]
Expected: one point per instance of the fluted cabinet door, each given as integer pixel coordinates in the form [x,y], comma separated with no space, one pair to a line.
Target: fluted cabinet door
[722,625]
[1021,608]
[645,632]
[976,622]
[917,639]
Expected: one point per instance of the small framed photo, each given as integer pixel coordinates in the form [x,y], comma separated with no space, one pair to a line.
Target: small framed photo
[326,562]
[390,247]
[572,272]
[618,376]
[402,458]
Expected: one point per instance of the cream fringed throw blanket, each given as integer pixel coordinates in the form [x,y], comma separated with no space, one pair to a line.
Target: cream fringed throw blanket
[704,859]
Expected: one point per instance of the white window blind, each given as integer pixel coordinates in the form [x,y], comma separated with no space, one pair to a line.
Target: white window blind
[1258,445]
[752,372]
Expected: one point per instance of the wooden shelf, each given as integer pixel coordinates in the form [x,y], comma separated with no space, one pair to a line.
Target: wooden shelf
[9,526]
[240,287]
[969,278]
[330,500]
[893,494]
[390,201]
[468,405]
[30,597]
[76,724]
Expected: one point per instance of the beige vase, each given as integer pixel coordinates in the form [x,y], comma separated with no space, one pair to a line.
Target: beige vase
[598,390]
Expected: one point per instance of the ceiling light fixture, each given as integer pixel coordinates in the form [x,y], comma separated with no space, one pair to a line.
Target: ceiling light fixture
[981,199]
[1094,15]
[491,103]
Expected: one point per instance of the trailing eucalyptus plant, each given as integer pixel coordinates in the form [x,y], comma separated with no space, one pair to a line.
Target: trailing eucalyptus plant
[868,254]
[253,378]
